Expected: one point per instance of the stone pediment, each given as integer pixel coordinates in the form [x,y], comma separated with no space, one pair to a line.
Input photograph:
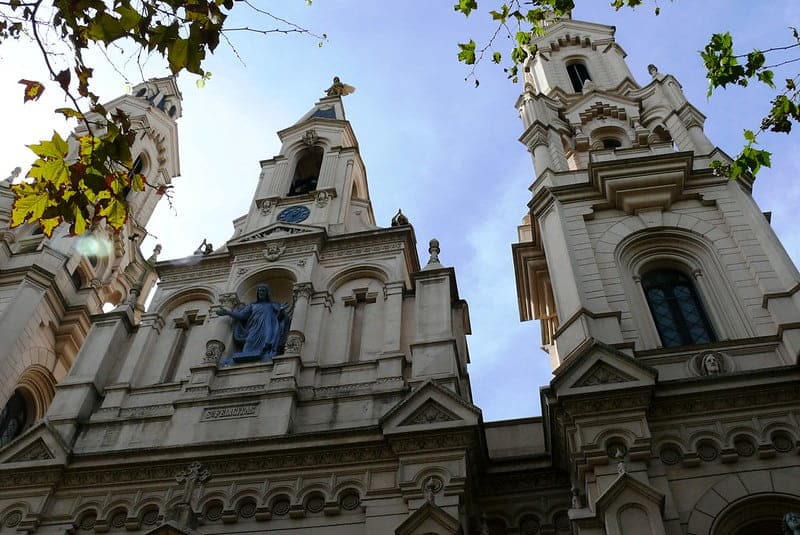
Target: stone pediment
[430,518]
[600,368]
[39,444]
[430,406]
[627,489]
[602,105]
[275,230]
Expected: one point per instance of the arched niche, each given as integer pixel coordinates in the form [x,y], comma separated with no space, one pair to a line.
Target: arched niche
[354,330]
[181,341]
[280,281]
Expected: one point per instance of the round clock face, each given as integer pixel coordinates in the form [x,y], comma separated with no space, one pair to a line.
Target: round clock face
[294,214]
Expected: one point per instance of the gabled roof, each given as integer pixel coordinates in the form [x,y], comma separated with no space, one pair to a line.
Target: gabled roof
[430,406]
[430,518]
[39,446]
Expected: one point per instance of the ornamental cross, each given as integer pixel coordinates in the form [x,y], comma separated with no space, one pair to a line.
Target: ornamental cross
[194,474]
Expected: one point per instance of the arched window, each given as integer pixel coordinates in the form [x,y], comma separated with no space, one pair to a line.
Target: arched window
[13,419]
[306,172]
[611,143]
[578,74]
[676,308]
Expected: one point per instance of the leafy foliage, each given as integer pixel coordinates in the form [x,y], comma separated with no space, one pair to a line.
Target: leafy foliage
[522,24]
[85,179]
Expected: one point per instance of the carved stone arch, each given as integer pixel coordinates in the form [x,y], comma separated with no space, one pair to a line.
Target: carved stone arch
[274,492]
[710,513]
[37,384]
[170,302]
[603,439]
[247,492]
[86,517]
[140,506]
[685,247]
[737,431]
[671,450]
[707,444]
[348,484]
[280,280]
[520,519]
[633,518]
[438,475]
[788,434]
[611,129]
[366,270]
[321,488]
[11,515]
[114,505]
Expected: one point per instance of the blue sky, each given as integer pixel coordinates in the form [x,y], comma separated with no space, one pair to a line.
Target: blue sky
[434,145]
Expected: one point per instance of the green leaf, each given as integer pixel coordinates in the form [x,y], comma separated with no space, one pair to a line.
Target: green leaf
[466,6]
[497,57]
[467,52]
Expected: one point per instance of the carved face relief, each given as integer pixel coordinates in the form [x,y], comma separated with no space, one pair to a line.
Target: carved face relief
[712,364]
[273,251]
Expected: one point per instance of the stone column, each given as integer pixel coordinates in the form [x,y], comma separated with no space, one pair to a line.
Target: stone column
[302,293]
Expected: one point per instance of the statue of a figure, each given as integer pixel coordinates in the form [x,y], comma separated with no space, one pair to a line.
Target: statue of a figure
[338,89]
[261,327]
[791,524]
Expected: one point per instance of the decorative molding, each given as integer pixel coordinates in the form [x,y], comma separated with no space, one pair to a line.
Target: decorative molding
[345,252]
[430,412]
[37,451]
[434,442]
[666,408]
[238,465]
[602,373]
[277,229]
[514,482]
[194,274]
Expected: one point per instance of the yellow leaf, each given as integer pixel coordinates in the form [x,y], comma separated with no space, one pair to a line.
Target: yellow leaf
[49,225]
[54,170]
[137,182]
[79,224]
[55,148]
[115,212]
[30,202]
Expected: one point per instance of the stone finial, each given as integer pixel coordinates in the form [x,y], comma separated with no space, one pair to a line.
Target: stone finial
[399,219]
[338,89]
[434,250]
[154,257]
[576,498]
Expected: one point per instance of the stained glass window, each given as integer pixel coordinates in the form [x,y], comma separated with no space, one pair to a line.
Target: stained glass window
[676,308]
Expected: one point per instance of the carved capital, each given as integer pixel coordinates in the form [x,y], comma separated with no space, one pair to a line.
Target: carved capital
[304,290]
[294,343]
[265,206]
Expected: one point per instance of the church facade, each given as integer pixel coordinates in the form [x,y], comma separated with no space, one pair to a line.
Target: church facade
[311,375]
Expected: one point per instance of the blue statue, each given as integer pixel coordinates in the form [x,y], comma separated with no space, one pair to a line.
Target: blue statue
[261,327]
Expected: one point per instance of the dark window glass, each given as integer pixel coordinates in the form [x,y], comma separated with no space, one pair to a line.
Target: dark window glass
[12,419]
[611,143]
[578,74]
[306,173]
[676,308]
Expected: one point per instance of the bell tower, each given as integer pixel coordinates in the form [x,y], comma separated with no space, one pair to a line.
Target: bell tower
[646,271]
[317,179]
[51,287]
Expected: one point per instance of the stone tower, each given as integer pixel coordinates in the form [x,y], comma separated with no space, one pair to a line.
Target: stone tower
[51,287]
[345,407]
[668,307]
